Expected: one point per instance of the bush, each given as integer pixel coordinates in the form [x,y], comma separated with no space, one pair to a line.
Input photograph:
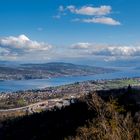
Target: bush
[111,122]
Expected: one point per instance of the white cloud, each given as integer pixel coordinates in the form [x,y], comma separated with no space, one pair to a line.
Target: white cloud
[21,46]
[107,50]
[102,20]
[3,51]
[97,14]
[90,10]
[22,42]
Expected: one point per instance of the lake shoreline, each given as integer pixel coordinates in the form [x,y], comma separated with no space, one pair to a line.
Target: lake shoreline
[26,97]
[57,86]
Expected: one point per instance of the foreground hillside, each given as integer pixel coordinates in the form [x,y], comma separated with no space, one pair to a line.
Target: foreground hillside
[104,115]
[48,70]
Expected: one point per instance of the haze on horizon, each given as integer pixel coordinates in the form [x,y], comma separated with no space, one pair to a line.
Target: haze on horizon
[103,32]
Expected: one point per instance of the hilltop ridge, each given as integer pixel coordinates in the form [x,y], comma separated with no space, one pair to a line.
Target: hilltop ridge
[48,70]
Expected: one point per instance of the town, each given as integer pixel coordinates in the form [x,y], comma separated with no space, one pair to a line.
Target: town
[27,102]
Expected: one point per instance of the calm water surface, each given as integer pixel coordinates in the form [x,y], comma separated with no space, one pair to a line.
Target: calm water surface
[15,85]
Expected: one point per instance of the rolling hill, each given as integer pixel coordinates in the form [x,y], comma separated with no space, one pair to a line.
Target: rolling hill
[48,70]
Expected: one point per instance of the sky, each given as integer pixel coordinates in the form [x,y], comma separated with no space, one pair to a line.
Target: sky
[72,30]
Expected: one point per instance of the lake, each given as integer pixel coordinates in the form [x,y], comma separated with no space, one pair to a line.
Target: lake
[15,85]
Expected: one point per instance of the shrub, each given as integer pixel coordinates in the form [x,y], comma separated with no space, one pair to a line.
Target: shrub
[111,122]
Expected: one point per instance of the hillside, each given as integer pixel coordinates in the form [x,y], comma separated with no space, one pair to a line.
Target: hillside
[48,70]
[96,116]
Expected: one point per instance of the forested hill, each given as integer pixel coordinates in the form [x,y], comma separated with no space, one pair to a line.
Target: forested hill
[48,70]
[107,115]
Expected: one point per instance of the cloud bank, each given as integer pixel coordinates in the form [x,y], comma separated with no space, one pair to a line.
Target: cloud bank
[21,48]
[107,50]
[17,47]
[23,43]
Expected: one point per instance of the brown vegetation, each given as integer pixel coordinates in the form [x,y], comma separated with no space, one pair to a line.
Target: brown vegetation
[104,115]
[112,122]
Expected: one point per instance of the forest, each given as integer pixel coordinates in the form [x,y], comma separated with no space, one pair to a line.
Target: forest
[107,115]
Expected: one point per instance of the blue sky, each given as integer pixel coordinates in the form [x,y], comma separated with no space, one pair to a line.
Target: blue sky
[66,25]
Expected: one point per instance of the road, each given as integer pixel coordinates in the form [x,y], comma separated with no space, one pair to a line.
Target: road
[32,106]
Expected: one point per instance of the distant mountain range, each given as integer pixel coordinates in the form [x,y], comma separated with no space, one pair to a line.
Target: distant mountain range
[48,70]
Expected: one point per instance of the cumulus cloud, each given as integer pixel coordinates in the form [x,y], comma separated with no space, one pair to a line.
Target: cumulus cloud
[90,10]
[102,20]
[22,42]
[91,14]
[20,46]
[4,51]
[107,50]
